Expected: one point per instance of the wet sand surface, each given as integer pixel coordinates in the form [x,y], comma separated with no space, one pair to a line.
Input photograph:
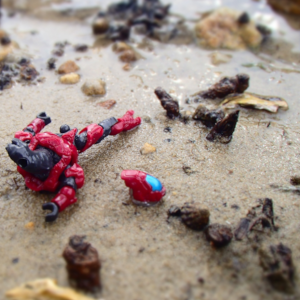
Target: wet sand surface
[143,255]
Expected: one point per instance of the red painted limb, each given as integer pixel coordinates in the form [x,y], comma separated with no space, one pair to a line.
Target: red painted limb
[51,183]
[125,123]
[94,133]
[23,135]
[77,172]
[37,125]
[64,198]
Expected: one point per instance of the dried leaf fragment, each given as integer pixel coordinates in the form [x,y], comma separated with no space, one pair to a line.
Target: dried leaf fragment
[226,86]
[44,289]
[268,103]
[222,132]
[242,229]
[208,117]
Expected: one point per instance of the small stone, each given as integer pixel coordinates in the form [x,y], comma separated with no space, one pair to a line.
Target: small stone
[6,50]
[244,18]
[71,78]
[51,63]
[58,51]
[5,81]
[221,29]
[94,87]
[127,67]
[219,235]
[5,41]
[29,225]
[147,119]
[68,67]
[81,48]
[100,26]
[218,58]
[174,211]
[120,47]
[287,6]
[147,148]
[108,104]
[128,56]
[295,180]
[28,72]
[83,264]
[195,215]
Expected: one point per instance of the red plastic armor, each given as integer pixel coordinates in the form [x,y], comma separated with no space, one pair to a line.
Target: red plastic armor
[64,147]
[141,190]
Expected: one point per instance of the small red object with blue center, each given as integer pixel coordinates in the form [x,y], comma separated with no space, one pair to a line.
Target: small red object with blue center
[146,189]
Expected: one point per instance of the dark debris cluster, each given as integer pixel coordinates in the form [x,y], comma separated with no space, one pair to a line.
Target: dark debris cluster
[116,22]
[22,71]
[276,260]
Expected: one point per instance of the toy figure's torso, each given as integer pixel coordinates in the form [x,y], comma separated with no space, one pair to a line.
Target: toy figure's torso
[61,147]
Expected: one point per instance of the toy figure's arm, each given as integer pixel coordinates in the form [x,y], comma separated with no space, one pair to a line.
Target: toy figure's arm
[71,179]
[34,127]
[95,133]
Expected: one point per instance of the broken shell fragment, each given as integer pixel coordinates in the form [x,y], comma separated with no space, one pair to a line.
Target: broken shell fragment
[208,117]
[146,190]
[219,235]
[222,132]
[195,215]
[167,102]
[83,264]
[226,86]
[46,289]
[268,103]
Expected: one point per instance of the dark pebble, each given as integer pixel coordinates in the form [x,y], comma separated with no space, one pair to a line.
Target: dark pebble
[81,48]
[5,41]
[219,235]
[51,63]
[174,211]
[244,18]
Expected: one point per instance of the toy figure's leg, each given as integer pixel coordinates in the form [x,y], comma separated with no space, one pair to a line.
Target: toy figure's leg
[70,180]
[34,127]
[64,198]
[95,133]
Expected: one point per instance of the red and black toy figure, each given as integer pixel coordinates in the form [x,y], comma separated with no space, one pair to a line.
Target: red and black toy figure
[145,189]
[49,162]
